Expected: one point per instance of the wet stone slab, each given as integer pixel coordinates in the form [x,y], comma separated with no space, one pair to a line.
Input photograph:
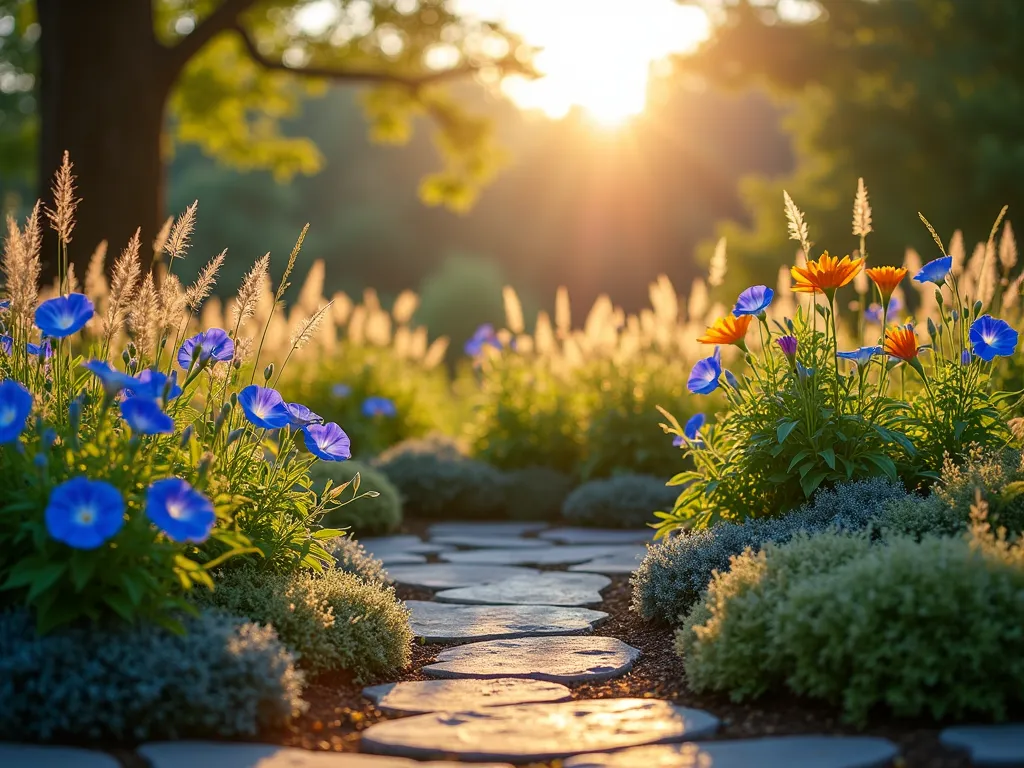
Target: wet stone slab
[554,659]
[449,576]
[988,744]
[490,542]
[419,696]
[772,752]
[538,732]
[547,588]
[413,545]
[598,535]
[212,754]
[557,555]
[610,566]
[37,756]
[446,623]
[484,529]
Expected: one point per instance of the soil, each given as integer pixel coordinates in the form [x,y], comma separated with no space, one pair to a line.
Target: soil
[338,713]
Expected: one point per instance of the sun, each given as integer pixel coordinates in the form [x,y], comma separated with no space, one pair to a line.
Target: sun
[596,54]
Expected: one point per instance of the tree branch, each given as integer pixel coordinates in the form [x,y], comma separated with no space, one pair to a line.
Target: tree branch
[221,19]
[348,75]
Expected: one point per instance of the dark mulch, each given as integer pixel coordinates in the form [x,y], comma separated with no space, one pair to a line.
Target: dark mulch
[338,712]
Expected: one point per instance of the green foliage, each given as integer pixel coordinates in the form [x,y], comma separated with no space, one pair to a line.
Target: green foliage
[351,557]
[536,493]
[1000,478]
[379,511]
[918,516]
[223,678]
[333,621]
[623,501]
[921,628]
[675,573]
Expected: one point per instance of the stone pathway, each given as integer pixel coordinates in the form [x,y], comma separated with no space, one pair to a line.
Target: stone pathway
[443,623]
[448,576]
[548,588]
[420,696]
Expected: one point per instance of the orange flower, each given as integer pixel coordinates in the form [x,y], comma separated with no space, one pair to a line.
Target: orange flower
[826,274]
[901,342]
[886,278]
[727,330]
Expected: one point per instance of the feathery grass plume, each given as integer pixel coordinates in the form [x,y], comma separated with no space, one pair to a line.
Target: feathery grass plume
[72,280]
[213,314]
[513,310]
[719,264]
[861,211]
[860,283]
[989,260]
[436,352]
[404,307]
[783,305]
[1007,249]
[797,225]
[912,262]
[249,291]
[62,216]
[378,328]
[544,334]
[143,315]
[563,312]
[123,279]
[371,300]
[290,265]
[96,285]
[342,308]
[418,345]
[1012,293]
[697,304]
[243,349]
[161,236]
[196,293]
[172,302]
[308,328]
[934,234]
[312,288]
[959,253]
[357,325]
[971,275]
[402,342]
[176,244]
[21,267]
[663,299]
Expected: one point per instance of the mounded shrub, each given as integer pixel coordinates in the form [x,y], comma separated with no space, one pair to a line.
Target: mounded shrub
[333,621]
[351,557]
[369,515]
[676,572]
[536,493]
[441,487]
[225,678]
[918,516]
[436,444]
[997,476]
[623,501]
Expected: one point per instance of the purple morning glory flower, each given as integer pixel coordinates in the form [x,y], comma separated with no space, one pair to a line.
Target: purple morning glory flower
[44,349]
[145,417]
[179,510]
[341,391]
[753,301]
[935,271]
[861,356]
[216,345]
[704,375]
[483,336]
[692,429]
[788,346]
[113,380]
[327,441]
[84,513]
[991,337]
[154,385]
[15,406]
[264,407]
[64,315]
[378,406]
[965,357]
[301,415]
[873,314]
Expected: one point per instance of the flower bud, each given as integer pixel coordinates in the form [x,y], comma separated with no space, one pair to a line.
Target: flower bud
[233,399]
[977,308]
[131,349]
[40,461]
[125,357]
[186,436]
[955,315]
[204,465]
[938,297]
[268,372]
[234,434]
[932,330]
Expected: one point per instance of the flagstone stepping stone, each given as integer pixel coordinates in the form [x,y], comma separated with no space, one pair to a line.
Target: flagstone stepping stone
[200,754]
[610,566]
[484,529]
[549,588]
[448,576]
[490,542]
[419,696]
[399,558]
[441,623]
[538,732]
[988,744]
[566,555]
[598,535]
[554,659]
[402,543]
[771,752]
[18,755]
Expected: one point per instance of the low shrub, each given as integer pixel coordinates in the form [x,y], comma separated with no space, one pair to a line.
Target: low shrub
[918,516]
[225,678]
[676,572]
[536,493]
[624,501]
[999,476]
[438,486]
[435,444]
[351,557]
[372,515]
[333,620]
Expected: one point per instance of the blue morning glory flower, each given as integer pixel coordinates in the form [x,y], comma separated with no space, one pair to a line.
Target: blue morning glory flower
[341,391]
[301,415]
[179,510]
[378,406]
[154,385]
[6,344]
[731,380]
[5,304]
[327,441]
[84,513]
[145,417]
[483,336]
[15,406]
[64,315]
[935,271]
[216,345]
[860,356]
[991,338]
[44,349]
[873,314]
[753,301]
[692,429]
[264,407]
[965,357]
[704,375]
[804,372]
[113,380]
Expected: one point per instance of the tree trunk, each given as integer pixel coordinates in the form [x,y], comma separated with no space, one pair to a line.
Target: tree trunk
[104,83]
